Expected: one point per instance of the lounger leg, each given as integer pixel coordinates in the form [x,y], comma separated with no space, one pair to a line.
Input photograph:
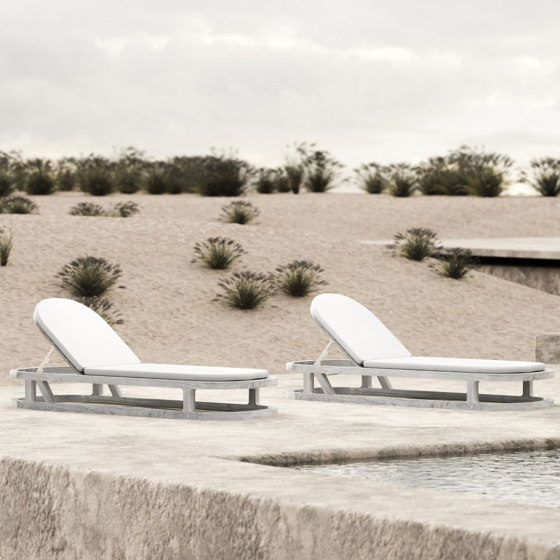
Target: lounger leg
[97,390]
[189,403]
[528,388]
[366,381]
[385,383]
[30,390]
[472,392]
[46,392]
[115,391]
[325,384]
[308,382]
[254,397]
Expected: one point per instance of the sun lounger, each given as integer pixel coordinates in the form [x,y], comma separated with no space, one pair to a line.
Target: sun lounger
[373,351]
[97,355]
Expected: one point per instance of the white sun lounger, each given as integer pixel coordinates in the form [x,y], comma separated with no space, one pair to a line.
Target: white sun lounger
[373,351]
[97,355]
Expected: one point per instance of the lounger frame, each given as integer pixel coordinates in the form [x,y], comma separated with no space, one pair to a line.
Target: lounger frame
[116,404]
[472,399]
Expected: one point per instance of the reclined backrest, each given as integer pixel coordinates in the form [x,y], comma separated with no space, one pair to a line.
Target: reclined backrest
[81,335]
[355,328]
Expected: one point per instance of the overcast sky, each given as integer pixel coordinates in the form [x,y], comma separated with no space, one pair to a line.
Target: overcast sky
[369,80]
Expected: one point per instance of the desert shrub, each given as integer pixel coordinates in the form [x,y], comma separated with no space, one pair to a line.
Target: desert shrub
[321,168]
[40,177]
[129,170]
[456,262]
[96,175]
[224,175]
[546,176]
[239,212]
[157,178]
[66,178]
[6,244]
[482,174]
[18,205]
[416,243]
[299,278]
[218,252]
[87,209]
[402,179]
[89,276]
[294,167]
[247,290]
[438,176]
[123,210]
[371,178]
[271,180]
[103,307]
[6,183]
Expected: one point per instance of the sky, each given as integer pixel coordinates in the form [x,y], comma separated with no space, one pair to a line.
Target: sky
[368,80]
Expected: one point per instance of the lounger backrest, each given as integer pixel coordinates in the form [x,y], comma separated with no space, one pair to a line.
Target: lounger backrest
[355,328]
[81,335]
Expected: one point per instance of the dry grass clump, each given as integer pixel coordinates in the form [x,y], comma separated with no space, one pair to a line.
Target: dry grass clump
[416,243]
[247,290]
[89,276]
[18,205]
[87,209]
[6,244]
[218,252]
[103,307]
[456,262]
[299,278]
[239,212]
[120,210]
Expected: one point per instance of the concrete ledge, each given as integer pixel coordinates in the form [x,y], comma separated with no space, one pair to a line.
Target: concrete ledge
[547,348]
[50,512]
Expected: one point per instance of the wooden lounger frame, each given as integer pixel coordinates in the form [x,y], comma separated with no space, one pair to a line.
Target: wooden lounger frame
[472,399]
[115,403]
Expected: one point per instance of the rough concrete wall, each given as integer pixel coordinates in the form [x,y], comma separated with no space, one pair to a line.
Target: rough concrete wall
[50,513]
[542,278]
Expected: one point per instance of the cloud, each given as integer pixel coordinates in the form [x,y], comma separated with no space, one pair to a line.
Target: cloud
[369,81]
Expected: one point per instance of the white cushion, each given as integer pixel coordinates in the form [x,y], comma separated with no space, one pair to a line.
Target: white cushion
[84,338]
[362,335]
[173,371]
[465,365]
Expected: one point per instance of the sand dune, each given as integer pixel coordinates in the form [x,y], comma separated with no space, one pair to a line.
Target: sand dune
[168,302]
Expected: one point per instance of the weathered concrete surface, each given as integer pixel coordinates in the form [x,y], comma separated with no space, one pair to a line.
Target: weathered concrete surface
[545,278]
[547,347]
[87,486]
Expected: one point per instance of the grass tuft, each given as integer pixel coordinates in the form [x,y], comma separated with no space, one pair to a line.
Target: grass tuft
[247,290]
[456,262]
[299,278]
[416,243]
[239,212]
[89,276]
[18,205]
[87,209]
[103,307]
[6,244]
[124,210]
[218,252]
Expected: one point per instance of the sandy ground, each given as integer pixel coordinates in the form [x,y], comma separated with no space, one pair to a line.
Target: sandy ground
[168,302]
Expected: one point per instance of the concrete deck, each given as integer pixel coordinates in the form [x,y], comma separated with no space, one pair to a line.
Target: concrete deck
[93,486]
[542,248]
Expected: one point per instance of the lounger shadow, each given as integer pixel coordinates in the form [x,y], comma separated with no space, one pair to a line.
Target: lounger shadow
[97,355]
[373,351]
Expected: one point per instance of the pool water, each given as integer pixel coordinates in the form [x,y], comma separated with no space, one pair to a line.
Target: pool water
[531,477]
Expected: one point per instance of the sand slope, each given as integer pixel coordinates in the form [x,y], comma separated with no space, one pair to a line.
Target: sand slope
[168,302]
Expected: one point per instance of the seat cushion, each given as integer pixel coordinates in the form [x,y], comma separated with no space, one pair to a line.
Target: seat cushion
[355,328]
[81,335]
[179,372]
[464,365]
